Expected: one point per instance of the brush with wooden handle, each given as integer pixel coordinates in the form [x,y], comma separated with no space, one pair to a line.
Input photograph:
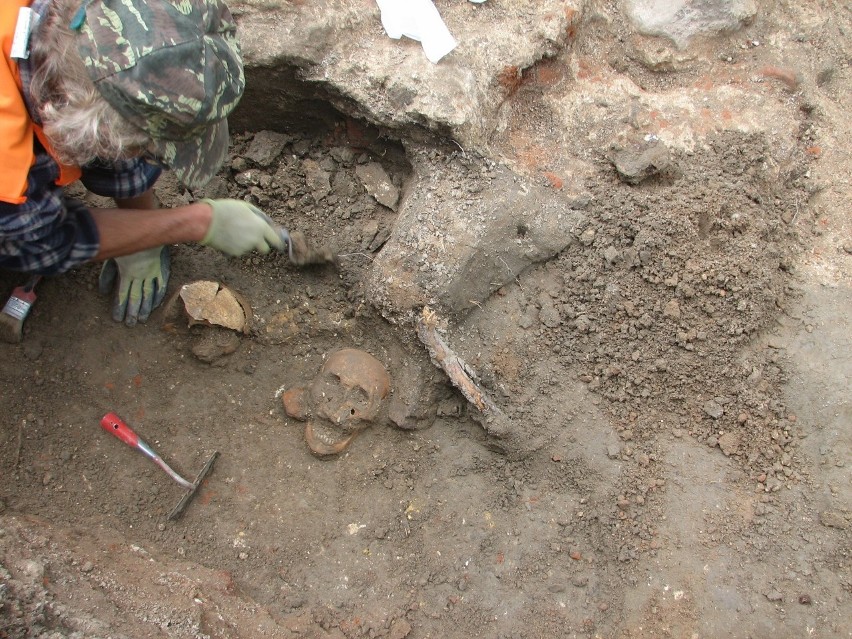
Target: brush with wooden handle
[16,309]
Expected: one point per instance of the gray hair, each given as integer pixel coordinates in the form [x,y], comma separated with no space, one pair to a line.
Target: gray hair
[79,123]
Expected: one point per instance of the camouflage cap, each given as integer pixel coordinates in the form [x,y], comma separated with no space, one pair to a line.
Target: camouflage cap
[171,67]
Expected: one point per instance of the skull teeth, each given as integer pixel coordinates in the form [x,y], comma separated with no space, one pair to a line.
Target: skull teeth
[321,442]
[324,437]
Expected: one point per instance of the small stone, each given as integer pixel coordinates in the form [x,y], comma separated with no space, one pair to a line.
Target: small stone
[713,409]
[580,581]
[774,595]
[266,146]
[378,184]
[587,237]
[729,443]
[805,600]
[317,180]
[833,519]
[637,164]
[549,316]
[399,630]
[672,310]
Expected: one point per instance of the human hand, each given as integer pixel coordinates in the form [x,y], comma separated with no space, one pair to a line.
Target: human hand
[238,227]
[142,280]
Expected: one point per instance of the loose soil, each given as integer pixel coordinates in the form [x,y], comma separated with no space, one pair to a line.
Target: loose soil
[678,375]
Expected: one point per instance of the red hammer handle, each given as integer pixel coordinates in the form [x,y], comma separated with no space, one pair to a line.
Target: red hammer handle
[112,423]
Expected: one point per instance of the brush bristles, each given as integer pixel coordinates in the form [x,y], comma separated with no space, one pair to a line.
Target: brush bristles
[11,329]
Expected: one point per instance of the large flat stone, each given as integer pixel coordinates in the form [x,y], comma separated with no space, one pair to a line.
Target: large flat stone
[340,52]
[682,20]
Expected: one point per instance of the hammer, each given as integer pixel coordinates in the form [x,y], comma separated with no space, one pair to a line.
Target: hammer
[112,423]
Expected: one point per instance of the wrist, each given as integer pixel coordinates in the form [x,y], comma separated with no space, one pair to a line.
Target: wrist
[202,219]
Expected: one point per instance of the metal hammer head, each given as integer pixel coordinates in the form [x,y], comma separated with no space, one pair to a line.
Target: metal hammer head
[177,511]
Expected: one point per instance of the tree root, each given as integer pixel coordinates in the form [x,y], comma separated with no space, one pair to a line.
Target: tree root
[495,422]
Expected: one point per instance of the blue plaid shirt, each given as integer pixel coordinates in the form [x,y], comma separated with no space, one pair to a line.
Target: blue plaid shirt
[50,233]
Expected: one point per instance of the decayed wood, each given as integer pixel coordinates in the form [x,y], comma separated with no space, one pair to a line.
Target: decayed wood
[458,371]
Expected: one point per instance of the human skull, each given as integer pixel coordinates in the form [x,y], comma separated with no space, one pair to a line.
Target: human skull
[346,396]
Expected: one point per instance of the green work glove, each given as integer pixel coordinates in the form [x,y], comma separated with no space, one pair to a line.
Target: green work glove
[142,280]
[239,227]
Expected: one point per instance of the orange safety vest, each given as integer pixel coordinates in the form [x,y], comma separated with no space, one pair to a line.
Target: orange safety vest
[16,127]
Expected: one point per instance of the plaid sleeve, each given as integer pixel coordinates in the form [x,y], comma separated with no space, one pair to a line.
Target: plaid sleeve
[127,178]
[47,234]
[51,233]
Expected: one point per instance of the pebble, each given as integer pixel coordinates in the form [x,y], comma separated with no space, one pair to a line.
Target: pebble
[672,310]
[400,629]
[729,443]
[713,409]
[833,519]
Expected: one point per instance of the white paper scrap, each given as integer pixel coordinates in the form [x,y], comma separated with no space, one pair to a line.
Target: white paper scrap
[418,20]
